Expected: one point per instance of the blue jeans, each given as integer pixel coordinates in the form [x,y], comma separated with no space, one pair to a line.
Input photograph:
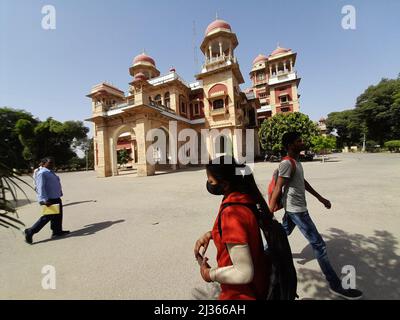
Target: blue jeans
[308,229]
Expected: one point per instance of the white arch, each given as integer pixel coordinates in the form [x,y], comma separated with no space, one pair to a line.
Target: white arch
[113,145]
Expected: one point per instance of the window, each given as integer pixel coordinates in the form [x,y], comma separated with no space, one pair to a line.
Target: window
[284,99]
[222,144]
[183,107]
[218,104]
[157,99]
[196,110]
[167,100]
[260,76]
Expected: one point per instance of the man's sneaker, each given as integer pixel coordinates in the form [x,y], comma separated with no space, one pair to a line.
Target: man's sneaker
[60,234]
[28,236]
[349,294]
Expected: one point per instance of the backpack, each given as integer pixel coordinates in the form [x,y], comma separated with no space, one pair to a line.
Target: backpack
[283,277]
[272,185]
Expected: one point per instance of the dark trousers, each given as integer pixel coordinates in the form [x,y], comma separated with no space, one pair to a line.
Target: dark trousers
[55,220]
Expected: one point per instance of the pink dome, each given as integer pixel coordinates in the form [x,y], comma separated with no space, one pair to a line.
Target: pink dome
[260,58]
[144,58]
[279,50]
[218,24]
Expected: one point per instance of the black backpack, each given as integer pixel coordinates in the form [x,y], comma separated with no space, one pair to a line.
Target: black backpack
[283,277]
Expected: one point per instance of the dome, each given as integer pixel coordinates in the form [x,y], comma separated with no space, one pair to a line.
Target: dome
[279,50]
[143,58]
[260,58]
[218,24]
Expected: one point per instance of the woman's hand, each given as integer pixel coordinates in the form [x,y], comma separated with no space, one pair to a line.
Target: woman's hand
[202,242]
[205,270]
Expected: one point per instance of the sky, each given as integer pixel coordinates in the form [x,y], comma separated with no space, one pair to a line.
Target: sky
[50,72]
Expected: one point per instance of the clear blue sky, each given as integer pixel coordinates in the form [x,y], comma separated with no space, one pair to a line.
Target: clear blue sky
[48,73]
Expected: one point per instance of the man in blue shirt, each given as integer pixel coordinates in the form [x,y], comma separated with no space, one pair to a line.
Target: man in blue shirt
[49,192]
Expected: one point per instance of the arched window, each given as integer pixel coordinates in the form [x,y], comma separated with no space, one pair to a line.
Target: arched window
[218,104]
[157,99]
[167,100]
[222,144]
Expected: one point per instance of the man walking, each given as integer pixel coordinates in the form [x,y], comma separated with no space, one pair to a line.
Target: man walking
[291,179]
[36,172]
[48,188]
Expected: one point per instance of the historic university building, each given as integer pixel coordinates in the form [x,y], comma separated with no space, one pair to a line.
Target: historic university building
[214,102]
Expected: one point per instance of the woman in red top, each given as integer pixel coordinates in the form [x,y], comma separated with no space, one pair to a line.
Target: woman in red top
[242,270]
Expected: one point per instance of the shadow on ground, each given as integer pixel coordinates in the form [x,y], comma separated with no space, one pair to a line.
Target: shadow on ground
[86,231]
[374,258]
[77,202]
[210,291]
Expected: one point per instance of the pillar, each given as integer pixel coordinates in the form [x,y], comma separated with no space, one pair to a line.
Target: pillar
[103,167]
[144,168]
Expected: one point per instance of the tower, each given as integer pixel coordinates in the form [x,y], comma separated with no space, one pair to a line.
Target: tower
[275,82]
[224,103]
[220,75]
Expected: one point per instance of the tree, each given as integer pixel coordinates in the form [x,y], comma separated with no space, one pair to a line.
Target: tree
[323,145]
[348,127]
[393,145]
[272,130]
[379,110]
[376,114]
[50,137]
[11,151]
[87,146]
[10,183]
[123,157]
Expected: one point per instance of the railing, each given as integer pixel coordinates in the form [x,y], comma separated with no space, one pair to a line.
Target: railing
[215,62]
[218,111]
[167,78]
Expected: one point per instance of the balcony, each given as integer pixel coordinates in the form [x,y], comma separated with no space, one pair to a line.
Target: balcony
[217,62]
[218,111]
[282,76]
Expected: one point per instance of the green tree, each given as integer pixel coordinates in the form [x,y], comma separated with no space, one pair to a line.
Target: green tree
[376,114]
[272,130]
[11,151]
[123,157]
[393,145]
[379,110]
[50,137]
[348,127]
[87,146]
[323,145]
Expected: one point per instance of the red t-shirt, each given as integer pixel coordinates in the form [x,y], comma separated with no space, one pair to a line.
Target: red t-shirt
[239,225]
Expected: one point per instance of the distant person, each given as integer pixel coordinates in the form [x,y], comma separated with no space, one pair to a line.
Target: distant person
[36,172]
[242,264]
[48,192]
[291,180]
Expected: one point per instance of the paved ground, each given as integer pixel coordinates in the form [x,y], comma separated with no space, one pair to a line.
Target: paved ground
[133,237]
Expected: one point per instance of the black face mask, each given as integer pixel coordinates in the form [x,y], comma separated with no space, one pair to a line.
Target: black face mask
[215,189]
